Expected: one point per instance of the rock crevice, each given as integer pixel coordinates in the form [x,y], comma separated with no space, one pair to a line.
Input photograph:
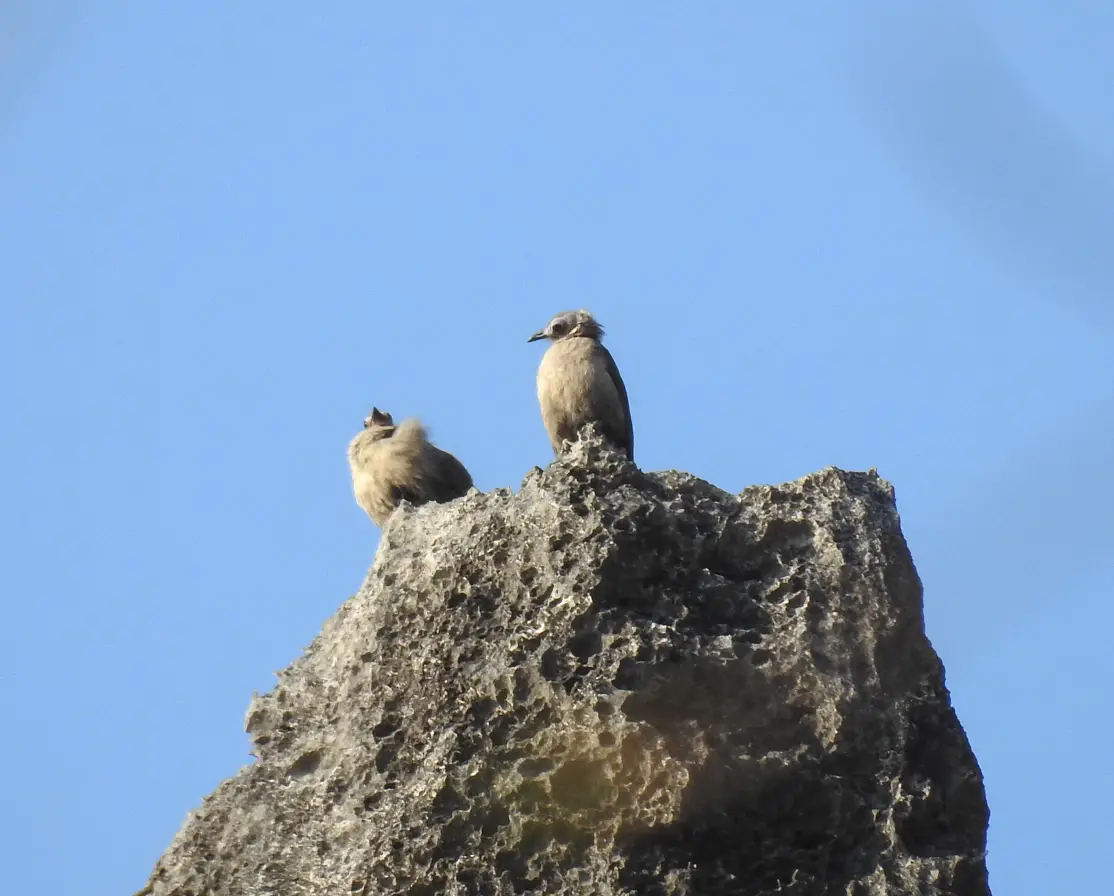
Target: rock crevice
[611,682]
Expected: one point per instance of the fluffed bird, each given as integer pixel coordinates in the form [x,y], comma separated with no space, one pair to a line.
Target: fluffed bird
[578,382]
[390,464]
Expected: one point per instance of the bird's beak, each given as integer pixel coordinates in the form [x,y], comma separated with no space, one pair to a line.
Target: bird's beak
[538,335]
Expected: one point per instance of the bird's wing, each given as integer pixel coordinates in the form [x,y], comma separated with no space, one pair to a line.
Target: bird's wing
[457,474]
[454,480]
[613,372]
[400,493]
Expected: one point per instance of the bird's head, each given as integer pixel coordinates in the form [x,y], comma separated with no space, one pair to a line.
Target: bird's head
[379,423]
[568,324]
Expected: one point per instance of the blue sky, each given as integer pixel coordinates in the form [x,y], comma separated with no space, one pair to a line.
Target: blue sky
[815,237]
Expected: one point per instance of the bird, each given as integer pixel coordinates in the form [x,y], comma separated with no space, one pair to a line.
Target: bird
[394,463]
[578,382]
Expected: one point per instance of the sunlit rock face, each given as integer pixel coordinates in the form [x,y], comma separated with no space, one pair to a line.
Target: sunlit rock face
[611,682]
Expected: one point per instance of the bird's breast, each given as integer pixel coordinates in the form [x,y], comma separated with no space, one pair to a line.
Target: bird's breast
[565,381]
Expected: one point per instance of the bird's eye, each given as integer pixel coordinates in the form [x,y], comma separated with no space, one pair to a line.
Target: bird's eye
[558,327]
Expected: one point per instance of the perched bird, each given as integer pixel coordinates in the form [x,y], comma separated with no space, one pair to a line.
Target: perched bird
[392,463]
[578,382]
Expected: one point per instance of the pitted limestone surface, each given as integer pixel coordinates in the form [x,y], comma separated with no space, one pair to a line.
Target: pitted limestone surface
[610,682]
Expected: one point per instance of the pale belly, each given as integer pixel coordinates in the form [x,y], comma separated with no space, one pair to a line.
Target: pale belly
[573,388]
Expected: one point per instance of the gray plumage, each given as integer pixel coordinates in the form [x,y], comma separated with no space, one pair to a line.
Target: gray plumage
[392,463]
[578,382]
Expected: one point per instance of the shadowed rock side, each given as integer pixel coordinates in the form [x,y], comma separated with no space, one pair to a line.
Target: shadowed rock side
[611,682]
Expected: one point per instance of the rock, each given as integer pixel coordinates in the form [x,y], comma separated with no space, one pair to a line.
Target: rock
[611,682]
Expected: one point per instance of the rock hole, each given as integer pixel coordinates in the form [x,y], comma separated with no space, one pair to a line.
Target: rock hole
[386,755]
[483,709]
[306,764]
[497,818]
[535,768]
[501,732]
[550,667]
[750,615]
[531,795]
[454,839]
[385,729]
[586,645]
[467,746]
[580,784]
[536,838]
[628,675]
[523,684]
[447,803]
[509,862]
